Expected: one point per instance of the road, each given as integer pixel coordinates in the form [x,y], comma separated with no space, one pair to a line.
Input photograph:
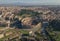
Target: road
[38,27]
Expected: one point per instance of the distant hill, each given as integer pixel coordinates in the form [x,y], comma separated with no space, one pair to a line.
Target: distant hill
[19,4]
[27,4]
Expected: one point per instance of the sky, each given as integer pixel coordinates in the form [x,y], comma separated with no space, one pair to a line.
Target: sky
[48,2]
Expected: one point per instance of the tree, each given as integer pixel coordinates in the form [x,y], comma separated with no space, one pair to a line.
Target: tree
[17,23]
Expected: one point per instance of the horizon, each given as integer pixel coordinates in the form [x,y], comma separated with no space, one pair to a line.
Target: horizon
[31,2]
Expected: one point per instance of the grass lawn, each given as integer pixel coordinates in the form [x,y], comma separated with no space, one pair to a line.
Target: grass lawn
[24,31]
